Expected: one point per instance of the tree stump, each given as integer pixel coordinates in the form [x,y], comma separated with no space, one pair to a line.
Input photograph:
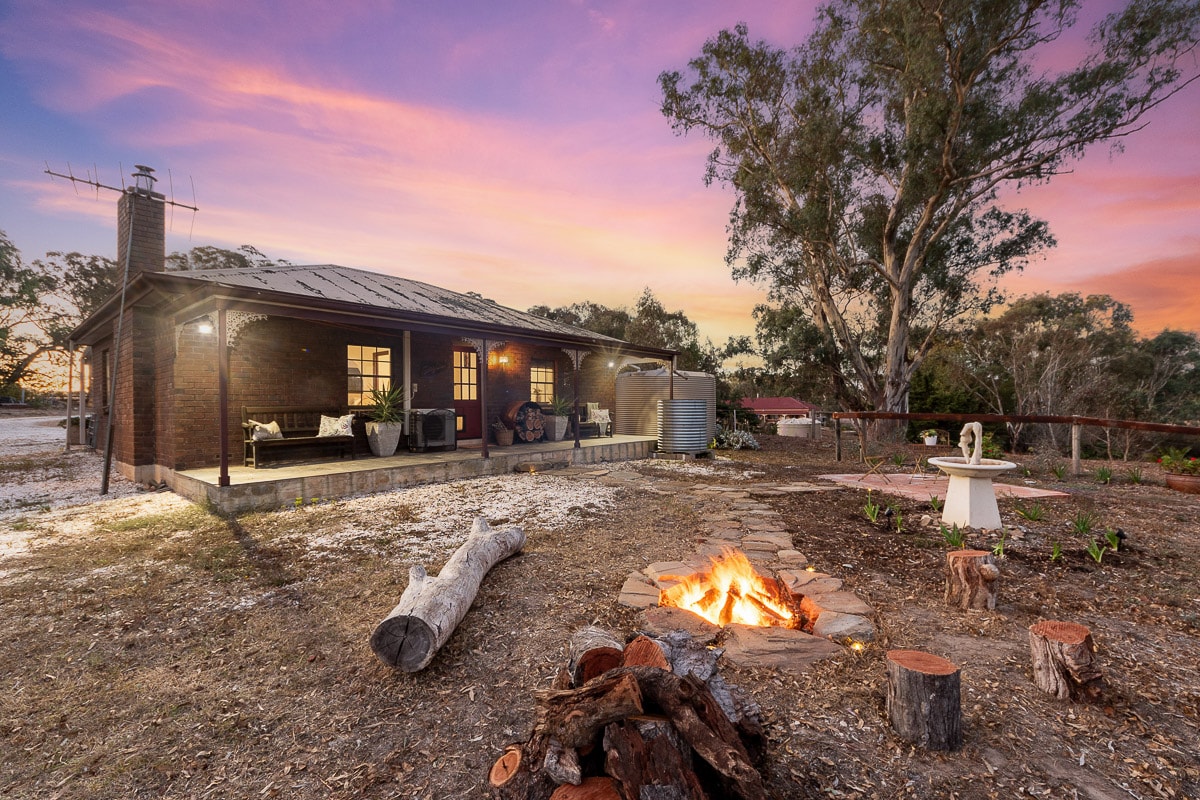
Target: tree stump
[431,608]
[972,579]
[923,702]
[1063,661]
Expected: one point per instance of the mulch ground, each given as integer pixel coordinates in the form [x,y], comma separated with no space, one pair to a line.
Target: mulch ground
[190,656]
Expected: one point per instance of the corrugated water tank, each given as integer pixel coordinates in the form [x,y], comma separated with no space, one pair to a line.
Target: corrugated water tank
[682,426]
[638,394]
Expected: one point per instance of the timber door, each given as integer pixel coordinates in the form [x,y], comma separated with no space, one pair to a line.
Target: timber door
[466,393]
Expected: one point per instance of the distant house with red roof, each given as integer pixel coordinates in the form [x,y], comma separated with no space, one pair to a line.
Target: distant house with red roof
[772,409]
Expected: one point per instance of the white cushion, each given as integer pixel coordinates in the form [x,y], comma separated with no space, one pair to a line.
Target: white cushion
[261,431]
[336,426]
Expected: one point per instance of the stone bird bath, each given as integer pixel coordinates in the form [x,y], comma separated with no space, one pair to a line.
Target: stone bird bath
[970,497]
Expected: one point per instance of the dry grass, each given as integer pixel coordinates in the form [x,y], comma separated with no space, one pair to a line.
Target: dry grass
[178,654]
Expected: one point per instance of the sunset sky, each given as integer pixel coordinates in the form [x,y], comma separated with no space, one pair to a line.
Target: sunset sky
[510,148]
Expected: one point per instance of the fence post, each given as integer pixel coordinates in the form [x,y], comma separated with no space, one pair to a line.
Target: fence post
[837,439]
[1076,466]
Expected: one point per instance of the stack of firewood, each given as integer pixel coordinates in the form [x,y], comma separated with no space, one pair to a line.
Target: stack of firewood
[652,718]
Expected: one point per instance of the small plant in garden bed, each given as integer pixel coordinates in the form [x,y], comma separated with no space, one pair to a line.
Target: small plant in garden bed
[1104,475]
[1135,476]
[898,459]
[1083,522]
[872,509]
[1096,550]
[1055,551]
[899,517]
[1114,538]
[998,548]
[954,536]
[935,502]
[1059,470]
[1033,512]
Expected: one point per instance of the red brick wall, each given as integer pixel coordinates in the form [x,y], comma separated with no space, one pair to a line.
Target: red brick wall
[147,250]
[168,386]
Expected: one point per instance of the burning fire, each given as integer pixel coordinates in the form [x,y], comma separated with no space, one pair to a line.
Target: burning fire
[732,591]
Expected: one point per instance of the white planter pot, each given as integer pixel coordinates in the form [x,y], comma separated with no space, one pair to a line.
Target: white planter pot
[555,428]
[384,437]
[930,441]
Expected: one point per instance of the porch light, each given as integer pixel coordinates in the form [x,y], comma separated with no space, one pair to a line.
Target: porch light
[612,364]
[502,360]
[205,325]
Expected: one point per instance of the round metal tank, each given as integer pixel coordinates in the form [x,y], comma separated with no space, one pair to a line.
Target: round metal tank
[682,426]
[638,394]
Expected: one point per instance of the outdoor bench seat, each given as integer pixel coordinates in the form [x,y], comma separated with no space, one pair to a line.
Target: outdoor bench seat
[597,423]
[299,426]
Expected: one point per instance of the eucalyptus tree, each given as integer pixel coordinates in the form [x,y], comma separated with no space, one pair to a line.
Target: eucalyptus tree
[868,163]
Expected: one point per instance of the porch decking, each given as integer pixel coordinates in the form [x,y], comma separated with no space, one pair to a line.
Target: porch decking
[272,487]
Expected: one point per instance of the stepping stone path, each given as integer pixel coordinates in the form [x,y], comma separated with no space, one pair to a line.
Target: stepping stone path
[737,517]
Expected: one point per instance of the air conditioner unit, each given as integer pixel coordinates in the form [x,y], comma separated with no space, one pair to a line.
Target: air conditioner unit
[432,428]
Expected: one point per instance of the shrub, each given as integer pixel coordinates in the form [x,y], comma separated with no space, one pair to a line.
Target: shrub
[727,439]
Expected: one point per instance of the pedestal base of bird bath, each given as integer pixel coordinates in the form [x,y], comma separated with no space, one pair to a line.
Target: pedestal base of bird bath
[970,496]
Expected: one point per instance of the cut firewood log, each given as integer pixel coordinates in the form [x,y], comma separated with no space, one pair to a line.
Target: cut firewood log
[690,706]
[562,763]
[646,756]
[923,699]
[688,656]
[972,579]
[591,651]
[594,788]
[431,608]
[1063,656]
[645,652]
[575,717]
[518,774]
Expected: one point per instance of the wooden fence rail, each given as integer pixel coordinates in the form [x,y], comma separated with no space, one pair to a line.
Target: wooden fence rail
[1077,424]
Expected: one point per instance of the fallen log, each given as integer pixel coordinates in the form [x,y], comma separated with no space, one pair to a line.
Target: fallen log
[1063,664]
[431,608]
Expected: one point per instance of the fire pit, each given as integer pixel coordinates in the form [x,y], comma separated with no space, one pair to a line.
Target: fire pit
[731,591]
[786,619]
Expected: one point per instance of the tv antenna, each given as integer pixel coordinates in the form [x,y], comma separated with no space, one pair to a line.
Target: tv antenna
[144,181]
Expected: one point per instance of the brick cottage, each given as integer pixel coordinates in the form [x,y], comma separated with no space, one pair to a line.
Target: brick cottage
[183,353]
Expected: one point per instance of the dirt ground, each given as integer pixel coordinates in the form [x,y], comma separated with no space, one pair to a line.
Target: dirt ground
[158,651]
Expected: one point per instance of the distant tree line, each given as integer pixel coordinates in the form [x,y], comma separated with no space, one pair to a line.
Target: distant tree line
[43,301]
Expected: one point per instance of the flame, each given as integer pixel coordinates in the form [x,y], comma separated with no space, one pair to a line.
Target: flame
[731,591]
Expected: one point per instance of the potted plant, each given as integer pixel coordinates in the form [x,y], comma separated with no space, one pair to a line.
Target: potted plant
[559,419]
[930,435]
[1183,471]
[502,434]
[387,420]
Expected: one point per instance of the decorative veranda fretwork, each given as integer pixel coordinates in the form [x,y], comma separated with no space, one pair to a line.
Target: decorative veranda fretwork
[478,344]
[576,356]
[235,321]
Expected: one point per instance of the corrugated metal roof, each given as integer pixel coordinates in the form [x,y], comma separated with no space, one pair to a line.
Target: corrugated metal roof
[387,292]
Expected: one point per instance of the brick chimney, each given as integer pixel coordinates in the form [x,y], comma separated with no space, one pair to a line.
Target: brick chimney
[145,209]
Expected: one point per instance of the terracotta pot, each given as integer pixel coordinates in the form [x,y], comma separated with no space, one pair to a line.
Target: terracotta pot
[1183,483]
